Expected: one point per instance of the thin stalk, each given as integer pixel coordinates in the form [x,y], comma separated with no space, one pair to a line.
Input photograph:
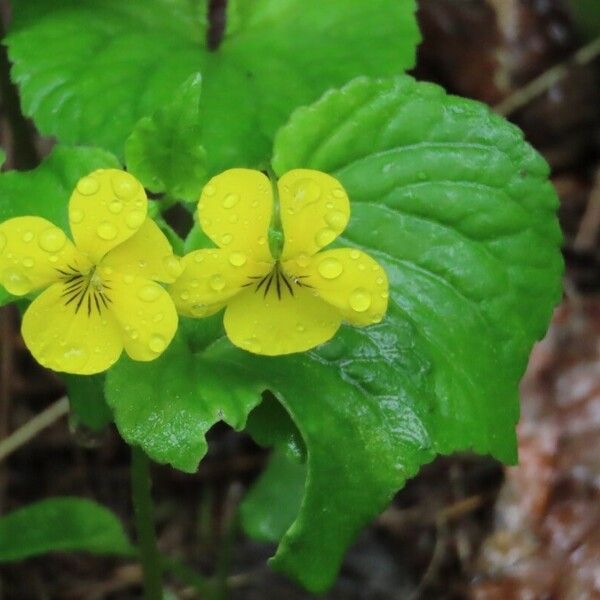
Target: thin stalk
[144,523]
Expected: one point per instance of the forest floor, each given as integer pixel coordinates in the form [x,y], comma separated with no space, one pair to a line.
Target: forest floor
[465,527]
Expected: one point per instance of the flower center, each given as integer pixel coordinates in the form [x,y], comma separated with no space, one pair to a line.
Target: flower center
[84,290]
[277,282]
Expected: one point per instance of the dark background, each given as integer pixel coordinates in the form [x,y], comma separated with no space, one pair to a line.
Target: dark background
[465,527]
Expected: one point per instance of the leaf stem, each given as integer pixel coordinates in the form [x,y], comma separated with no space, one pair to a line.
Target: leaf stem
[144,522]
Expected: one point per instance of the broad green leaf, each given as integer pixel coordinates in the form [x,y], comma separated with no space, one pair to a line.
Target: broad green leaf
[272,504]
[164,151]
[45,190]
[61,525]
[88,70]
[86,399]
[458,209]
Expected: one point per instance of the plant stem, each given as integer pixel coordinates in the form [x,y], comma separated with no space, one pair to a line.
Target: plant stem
[144,523]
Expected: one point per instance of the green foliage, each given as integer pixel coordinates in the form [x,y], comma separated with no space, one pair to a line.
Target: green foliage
[61,525]
[164,151]
[271,506]
[86,399]
[88,70]
[458,209]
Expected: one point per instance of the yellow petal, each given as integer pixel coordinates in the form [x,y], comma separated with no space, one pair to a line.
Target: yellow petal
[106,208]
[212,276]
[33,252]
[314,210]
[65,338]
[348,279]
[235,211]
[145,313]
[279,324]
[147,254]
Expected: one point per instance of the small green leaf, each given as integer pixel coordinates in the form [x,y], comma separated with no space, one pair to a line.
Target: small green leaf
[88,70]
[164,151]
[274,500]
[86,399]
[45,190]
[61,525]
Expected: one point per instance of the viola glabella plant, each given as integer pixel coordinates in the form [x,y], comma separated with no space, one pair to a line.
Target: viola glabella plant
[452,257]
[101,293]
[291,299]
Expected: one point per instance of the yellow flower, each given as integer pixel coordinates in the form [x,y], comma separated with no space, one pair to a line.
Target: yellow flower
[101,294]
[287,303]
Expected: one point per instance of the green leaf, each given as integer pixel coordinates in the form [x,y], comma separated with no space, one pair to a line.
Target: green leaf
[272,504]
[459,210]
[61,525]
[164,151]
[86,399]
[88,70]
[45,190]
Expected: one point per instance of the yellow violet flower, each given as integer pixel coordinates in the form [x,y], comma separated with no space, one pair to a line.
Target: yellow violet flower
[101,296]
[287,303]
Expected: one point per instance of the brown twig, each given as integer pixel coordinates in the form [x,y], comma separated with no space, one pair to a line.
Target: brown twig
[587,234]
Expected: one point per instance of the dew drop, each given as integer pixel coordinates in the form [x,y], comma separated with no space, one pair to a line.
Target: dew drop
[2,242]
[194,283]
[28,262]
[226,239]
[305,192]
[199,257]
[253,345]
[28,237]
[15,282]
[75,356]
[124,185]
[230,200]
[142,264]
[209,190]
[158,317]
[237,259]
[300,328]
[354,254]
[329,205]
[115,207]
[325,236]
[262,240]
[385,295]
[133,334]
[338,193]
[379,280]
[173,266]
[134,219]
[149,293]
[336,219]
[330,268]
[107,271]
[184,296]
[303,260]
[157,344]
[361,267]
[106,231]
[217,282]
[53,258]
[360,300]
[88,186]
[128,279]
[76,216]
[52,240]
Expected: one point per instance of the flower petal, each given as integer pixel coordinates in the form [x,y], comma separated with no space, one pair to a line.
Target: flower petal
[64,338]
[147,254]
[106,208]
[211,277]
[235,211]
[274,325]
[145,313]
[348,279]
[314,211]
[32,253]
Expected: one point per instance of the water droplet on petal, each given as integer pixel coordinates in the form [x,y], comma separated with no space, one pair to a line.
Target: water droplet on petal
[303,260]
[149,293]
[305,192]
[128,279]
[253,345]
[209,190]
[330,268]
[338,193]
[28,236]
[106,231]
[2,242]
[134,334]
[173,266]
[53,258]
[134,219]
[217,282]
[385,295]
[237,259]
[336,219]
[300,328]
[361,267]
[194,283]
[234,219]
[158,317]
[52,240]
[329,205]
[354,254]
[184,296]
[230,200]
[360,300]
[157,344]
[107,271]
[88,186]
[28,262]
[226,239]
[15,282]
[262,240]
[199,257]
[76,216]
[325,236]
[379,280]
[75,357]
[115,207]
[124,185]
